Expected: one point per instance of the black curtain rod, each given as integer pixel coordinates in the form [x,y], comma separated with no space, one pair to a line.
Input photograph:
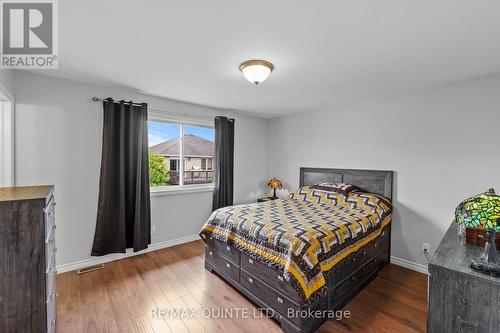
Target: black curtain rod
[97,99]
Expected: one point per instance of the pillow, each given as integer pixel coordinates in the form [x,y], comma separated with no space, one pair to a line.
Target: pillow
[341,188]
[308,194]
[370,202]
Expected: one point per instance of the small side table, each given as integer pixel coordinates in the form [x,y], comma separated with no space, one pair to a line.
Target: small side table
[266,199]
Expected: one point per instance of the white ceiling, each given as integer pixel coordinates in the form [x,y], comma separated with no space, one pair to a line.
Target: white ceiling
[325,51]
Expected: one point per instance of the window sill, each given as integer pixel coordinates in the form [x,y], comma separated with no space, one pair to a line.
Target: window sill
[158,192]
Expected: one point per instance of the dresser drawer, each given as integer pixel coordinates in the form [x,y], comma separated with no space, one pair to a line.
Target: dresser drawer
[271,276]
[50,281]
[51,263]
[228,267]
[225,250]
[51,314]
[271,297]
[50,249]
[49,211]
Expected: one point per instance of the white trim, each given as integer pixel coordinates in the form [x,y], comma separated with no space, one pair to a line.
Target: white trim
[112,257]
[176,190]
[410,265]
[182,162]
[6,137]
[166,117]
[186,239]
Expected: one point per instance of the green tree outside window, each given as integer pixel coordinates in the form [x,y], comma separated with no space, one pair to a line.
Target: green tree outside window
[158,173]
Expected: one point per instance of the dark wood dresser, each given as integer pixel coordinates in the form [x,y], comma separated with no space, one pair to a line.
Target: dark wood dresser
[460,298]
[27,259]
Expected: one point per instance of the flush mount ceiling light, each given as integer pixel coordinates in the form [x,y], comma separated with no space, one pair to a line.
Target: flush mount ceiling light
[256,71]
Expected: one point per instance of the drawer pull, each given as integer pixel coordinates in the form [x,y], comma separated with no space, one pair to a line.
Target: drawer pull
[228,266]
[250,261]
[279,299]
[280,278]
[250,280]
[353,278]
[228,248]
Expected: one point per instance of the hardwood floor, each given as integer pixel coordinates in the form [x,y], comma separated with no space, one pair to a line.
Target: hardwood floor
[123,296]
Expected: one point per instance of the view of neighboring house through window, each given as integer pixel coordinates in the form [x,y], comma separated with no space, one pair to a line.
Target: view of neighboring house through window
[170,143]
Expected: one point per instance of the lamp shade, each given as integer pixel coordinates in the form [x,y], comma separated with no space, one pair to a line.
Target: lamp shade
[480,211]
[274,183]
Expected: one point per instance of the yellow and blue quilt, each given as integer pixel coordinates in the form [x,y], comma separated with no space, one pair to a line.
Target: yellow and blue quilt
[302,236]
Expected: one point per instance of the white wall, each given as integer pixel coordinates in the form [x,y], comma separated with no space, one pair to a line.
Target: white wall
[441,142]
[58,141]
[6,80]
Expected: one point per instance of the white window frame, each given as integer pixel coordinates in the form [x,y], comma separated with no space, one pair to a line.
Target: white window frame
[182,122]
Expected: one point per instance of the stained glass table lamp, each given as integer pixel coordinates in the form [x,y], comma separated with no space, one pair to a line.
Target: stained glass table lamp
[274,184]
[480,211]
[480,216]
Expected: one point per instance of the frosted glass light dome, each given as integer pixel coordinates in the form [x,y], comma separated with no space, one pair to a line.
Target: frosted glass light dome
[256,71]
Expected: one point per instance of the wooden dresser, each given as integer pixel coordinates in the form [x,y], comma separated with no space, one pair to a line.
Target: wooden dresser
[27,259]
[460,298]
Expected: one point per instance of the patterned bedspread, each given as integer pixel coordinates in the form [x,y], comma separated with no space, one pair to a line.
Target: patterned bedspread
[302,236]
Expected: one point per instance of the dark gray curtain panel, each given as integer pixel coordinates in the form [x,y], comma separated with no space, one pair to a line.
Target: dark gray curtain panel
[224,162]
[123,213]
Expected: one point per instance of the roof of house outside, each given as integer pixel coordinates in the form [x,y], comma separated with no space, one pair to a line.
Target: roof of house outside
[193,146]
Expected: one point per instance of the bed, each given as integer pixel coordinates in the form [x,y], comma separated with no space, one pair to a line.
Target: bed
[304,257]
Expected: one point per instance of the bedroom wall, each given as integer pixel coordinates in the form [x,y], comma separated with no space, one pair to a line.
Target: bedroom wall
[441,142]
[58,141]
[6,80]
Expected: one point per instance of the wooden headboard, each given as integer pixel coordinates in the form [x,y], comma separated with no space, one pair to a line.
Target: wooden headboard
[373,181]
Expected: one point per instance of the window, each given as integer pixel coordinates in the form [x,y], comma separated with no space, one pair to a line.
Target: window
[171,143]
[174,165]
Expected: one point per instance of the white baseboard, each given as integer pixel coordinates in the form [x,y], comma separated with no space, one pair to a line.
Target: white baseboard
[410,265]
[111,257]
[161,245]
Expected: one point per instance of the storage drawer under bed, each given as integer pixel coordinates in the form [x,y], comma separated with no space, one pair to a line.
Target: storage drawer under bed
[353,282]
[271,276]
[226,266]
[275,300]
[225,250]
[357,259]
